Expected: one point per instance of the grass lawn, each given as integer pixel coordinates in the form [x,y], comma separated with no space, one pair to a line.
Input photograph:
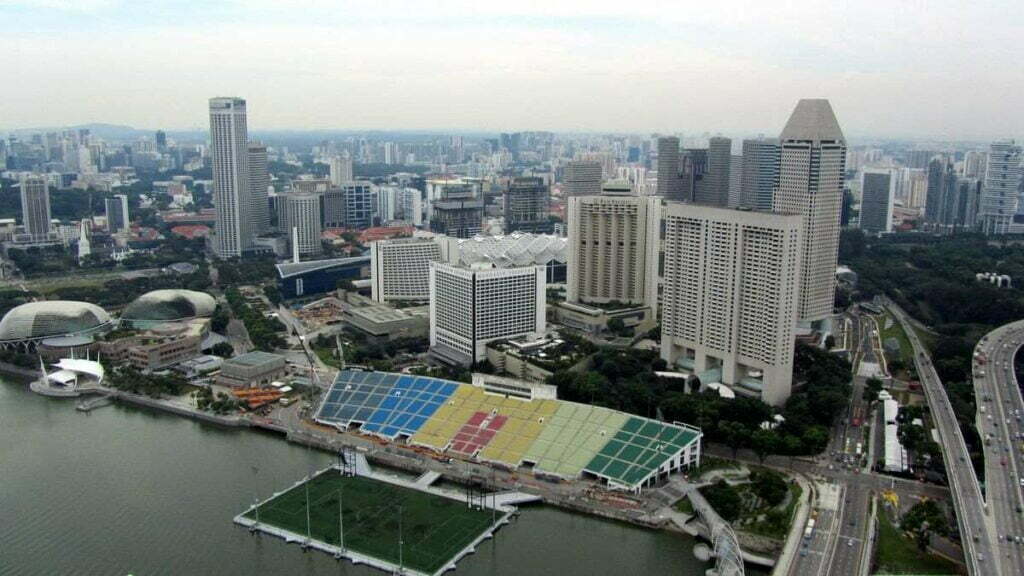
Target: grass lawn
[684,506]
[897,554]
[896,331]
[434,528]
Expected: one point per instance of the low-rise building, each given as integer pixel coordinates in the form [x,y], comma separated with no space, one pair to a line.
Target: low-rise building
[159,347]
[593,319]
[253,369]
[387,322]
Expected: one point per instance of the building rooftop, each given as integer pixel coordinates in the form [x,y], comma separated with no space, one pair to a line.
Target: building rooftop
[256,358]
[812,119]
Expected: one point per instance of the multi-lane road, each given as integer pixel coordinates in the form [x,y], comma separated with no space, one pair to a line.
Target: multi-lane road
[971,509]
[999,420]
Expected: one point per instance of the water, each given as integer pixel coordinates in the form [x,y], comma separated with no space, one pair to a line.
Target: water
[128,491]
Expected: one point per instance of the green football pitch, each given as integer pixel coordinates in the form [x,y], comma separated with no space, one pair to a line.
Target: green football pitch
[434,528]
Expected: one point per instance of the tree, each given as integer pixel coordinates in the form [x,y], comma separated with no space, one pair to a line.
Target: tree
[872,388]
[830,342]
[220,319]
[769,486]
[724,499]
[764,442]
[924,519]
[736,435]
[223,349]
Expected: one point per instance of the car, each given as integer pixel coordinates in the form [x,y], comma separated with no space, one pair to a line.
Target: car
[849,543]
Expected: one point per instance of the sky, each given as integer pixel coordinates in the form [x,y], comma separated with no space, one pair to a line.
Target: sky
[906,69]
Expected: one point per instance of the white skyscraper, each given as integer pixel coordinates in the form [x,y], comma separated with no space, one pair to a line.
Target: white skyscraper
[1000,192]
[613,250]
[811,174]
[400,268]
[341,169]
[470,307]
[229,149]
[35,207]
[259,184]
[301,213]
[730,297]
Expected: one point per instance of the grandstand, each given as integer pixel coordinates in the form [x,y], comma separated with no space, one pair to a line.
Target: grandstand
[556,438]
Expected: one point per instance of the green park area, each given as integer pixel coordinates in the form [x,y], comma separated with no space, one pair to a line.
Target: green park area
[901,363]
[897,554]
[376,516]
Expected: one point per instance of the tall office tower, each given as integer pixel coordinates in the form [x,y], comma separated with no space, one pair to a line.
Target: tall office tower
[410,205]
[917,185]
[259,184]
[400,268]
[299,218]
[229,148]
[118,221]
[334,207]
[918,158]
[693,165]
[1001,190]
[386,204]
[939,171]
[669,183]
[876,201]
[161,140]
[731,287]
[470,307]
[974,164]
[35,207]
[968,192]
[84,245]
[812,164]
[357,197]
[582,178]
[613,250]
[760,173]
[736,181]
[715,191]
[846,212]
[457,218]
[526,206]
[341,169]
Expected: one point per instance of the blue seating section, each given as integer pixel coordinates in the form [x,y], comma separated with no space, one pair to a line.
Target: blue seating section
[387,405]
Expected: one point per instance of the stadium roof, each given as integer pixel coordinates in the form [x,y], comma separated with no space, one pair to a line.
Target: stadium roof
[169,305]
[289,269]
[512,250]
[558,438]
[51,318]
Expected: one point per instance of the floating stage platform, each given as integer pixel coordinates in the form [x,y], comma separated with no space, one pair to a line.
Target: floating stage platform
[402,527]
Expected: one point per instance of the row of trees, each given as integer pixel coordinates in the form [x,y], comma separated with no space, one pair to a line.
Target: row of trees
[625,380]
[265,333]
[154,385]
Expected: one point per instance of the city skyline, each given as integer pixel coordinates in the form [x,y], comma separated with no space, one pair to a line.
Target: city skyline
[606,68]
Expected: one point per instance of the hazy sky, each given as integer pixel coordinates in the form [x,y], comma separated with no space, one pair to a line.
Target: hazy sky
[939,69]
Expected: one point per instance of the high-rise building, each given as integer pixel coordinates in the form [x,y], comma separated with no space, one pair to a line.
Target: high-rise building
[760,173]
[715,191]
[259,184]
[669,183]
[359,204]
[693,165]
[736,181]
[341,169]
[811,173]
[229,143]
[613,250]
[35,207]
[161,140]
[730,298]
[941,196]
[1000,194]
[582,178]
[400,268]
[526,205]
[334,207]
[299,218]
[118,221]
[968,195]
[876,201]
[470,307]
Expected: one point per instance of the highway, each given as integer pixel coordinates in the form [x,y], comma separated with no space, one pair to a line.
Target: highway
[971,509]
[999,416]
